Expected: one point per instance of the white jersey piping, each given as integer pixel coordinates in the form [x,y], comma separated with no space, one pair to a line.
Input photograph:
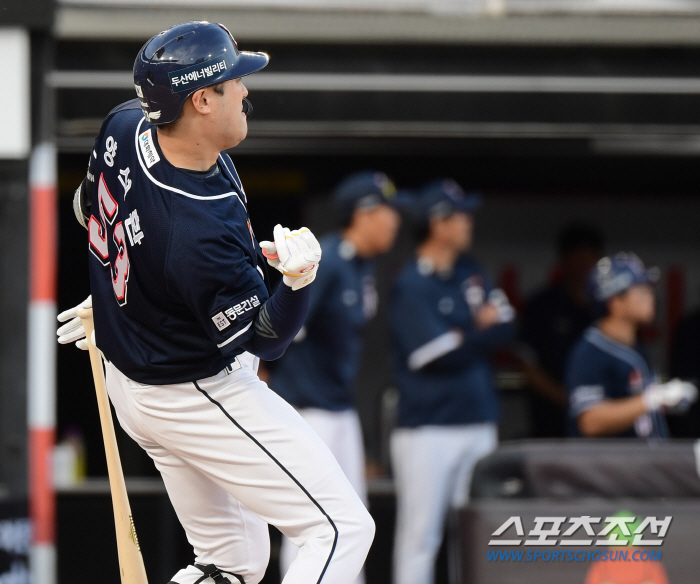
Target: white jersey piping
[238,334]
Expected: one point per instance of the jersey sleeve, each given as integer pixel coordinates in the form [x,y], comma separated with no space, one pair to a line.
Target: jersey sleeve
[211,273]
[426,340]
[585,381]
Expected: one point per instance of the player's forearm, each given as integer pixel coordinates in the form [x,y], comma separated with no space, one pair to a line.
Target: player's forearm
[278,322]
[611,417]
[460,348]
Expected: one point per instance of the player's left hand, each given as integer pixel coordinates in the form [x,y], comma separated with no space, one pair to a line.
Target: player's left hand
[73,331]
[294,253]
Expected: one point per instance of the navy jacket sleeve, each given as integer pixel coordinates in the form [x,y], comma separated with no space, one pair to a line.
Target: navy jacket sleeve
[416,326]
[585,380]
[475,344]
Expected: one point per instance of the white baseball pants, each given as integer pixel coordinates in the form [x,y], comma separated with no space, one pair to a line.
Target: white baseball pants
[342,433]
[234,457]
[432,471]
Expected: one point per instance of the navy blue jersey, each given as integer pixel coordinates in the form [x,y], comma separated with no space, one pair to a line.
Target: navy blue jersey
[441,360]
[601,369]
[319,368]
[176,274]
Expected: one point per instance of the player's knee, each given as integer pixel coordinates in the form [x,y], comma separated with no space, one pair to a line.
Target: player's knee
[361,529]
[368,529]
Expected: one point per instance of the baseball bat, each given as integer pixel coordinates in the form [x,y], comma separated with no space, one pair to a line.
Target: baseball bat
[130,559]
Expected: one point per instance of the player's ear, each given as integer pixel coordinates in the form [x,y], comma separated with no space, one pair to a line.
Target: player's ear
[200,101]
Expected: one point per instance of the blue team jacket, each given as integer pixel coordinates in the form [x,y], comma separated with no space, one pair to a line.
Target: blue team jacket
[456,388]
[319,368]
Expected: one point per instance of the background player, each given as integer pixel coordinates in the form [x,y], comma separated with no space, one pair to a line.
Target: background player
[318,371]
[613,390]
[446,320]
[552,322]
[182,312]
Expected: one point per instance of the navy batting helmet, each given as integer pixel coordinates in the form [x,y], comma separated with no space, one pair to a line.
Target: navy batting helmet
[175,63]
[616,274]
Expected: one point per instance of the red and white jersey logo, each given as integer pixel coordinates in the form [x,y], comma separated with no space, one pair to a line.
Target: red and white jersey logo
[636,381]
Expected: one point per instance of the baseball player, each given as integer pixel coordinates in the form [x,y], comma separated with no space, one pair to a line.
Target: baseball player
[183,312]
[317,372]
[446,319]
[613,389]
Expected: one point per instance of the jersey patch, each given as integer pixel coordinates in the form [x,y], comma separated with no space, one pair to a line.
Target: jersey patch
[224,318]
[220,321]
[150,156]
[242,307]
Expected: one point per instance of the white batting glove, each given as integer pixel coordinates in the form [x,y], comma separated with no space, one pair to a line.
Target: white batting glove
[73,331]
[498,298]
[674,397]
[296,254]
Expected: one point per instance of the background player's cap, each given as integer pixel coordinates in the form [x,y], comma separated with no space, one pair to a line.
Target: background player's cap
[175,63]
[441,198]
[614,275]
[363,190]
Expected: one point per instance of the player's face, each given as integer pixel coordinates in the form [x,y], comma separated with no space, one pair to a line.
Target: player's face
[229,121]
[384,224]
[377,228]
[638,304]
[457,231]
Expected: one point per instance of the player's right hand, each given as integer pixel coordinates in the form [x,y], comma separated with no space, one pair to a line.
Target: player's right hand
[294,253]
[73,331]
[674,397]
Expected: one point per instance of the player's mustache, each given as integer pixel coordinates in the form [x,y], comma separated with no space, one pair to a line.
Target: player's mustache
[247,107]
